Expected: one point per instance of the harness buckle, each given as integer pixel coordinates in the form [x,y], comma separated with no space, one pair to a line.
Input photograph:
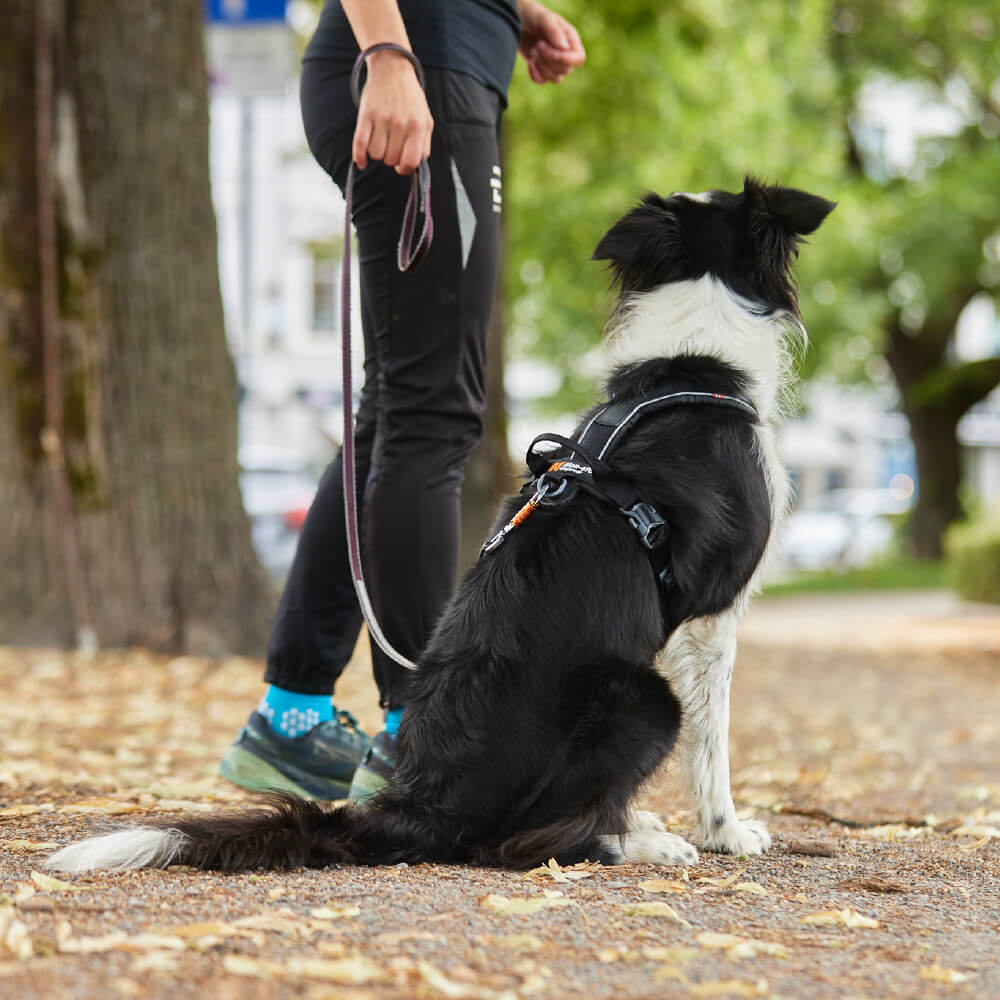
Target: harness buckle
[652,528]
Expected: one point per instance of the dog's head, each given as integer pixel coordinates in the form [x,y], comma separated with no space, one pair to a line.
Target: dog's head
[747,240]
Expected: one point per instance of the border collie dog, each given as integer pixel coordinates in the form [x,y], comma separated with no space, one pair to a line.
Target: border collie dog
[558,677]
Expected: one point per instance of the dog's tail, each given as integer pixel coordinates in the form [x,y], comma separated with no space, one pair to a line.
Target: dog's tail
[287,833]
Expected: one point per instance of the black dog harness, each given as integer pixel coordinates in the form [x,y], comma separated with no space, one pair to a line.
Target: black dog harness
[556,483]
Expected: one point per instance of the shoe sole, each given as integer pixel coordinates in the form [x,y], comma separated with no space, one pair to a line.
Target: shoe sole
[249,771]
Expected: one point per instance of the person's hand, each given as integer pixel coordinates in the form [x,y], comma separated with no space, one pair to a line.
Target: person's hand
[394,122]
[550,45]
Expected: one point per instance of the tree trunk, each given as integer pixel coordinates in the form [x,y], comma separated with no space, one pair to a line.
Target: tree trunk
[939,474]
[147,393]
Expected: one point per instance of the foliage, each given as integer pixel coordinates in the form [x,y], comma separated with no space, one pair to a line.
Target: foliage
[685,96]
[974,558]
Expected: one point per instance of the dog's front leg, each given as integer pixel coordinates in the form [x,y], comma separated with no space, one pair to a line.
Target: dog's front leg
[698,660]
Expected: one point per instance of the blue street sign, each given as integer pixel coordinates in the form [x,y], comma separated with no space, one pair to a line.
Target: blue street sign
[245,11]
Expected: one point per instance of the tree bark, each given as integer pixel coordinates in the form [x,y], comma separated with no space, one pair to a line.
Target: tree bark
[148,392]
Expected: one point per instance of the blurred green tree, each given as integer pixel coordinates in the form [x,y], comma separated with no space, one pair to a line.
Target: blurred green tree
[689,95]
[118,470]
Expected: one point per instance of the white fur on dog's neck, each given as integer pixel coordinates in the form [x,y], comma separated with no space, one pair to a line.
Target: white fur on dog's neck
[704,316]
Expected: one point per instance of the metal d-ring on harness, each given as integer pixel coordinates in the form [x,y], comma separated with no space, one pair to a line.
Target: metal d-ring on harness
[557,483]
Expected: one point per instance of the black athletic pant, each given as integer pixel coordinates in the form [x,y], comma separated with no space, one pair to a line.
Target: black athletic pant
[423,394]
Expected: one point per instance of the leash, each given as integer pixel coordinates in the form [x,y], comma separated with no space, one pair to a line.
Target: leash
[410,251]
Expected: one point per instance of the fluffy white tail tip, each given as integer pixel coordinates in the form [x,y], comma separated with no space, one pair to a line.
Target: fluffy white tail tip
[143,847]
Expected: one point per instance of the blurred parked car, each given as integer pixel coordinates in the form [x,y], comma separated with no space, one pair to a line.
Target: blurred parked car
[277,488]
[840,529]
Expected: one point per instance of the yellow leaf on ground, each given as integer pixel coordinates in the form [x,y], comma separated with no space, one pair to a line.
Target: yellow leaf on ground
[936,974]
[552,869]
[243,965]
[846,918]
[663,885]
[335,911]
[440,983]
[668,973]
[30,845]
[654,910]
[673,955]
[709,939]
[108,807]
[514,905]
[353,971]
[751,887]
[721,881]
[49,884]
[730,988]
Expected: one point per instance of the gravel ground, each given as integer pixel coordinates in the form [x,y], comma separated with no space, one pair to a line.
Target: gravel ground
[866,731]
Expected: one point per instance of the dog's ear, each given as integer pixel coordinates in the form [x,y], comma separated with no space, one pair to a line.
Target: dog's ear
[642,245]
[798,213]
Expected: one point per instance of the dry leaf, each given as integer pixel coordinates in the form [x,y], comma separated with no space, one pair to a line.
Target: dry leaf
[515,905]
[751,887]
[30,845]
[730,987]
[335,911]
[846,918]
[243,965]
[663,885]
[353,971]
[896,831]
[872,883]
[440,982]
[108,807]
[49,884]
[936,974]
[14,937]
[720,881]
[673,955]
[14,811]
[654,910]
[552,869]
[156,961]
[669,973]
[977,830]
[709,939]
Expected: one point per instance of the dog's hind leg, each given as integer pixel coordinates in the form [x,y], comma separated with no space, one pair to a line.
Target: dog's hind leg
[649,847]
[699,660]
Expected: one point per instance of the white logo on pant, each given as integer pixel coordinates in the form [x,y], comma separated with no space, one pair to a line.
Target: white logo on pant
[496,182]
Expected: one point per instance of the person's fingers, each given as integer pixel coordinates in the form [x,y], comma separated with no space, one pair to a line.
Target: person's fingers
[410,155]
[362,137]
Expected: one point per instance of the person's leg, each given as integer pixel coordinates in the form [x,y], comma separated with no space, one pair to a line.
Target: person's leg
[429,330]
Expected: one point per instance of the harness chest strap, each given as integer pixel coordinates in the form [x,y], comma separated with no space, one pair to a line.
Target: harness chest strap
[557,483]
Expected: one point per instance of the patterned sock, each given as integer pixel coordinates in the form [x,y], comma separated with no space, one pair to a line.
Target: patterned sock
[392,720]
[292,714]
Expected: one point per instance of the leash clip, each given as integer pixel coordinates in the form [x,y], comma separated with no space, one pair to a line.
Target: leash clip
[652,528]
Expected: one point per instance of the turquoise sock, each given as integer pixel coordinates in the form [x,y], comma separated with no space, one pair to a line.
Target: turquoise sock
[392,720]
[292,714]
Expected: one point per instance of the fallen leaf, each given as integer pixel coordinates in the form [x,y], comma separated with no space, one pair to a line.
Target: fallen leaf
[896,831]
[720,881]
[751,887]
[814,848]
[30,845]
[552,869]
[49,884]
[108,807]
[977,830]
[936,974]
[730,987]
[13,811]
[654,910]
[243,965]
[669,973]
[335,912]
[872,883]
[514,905]
[156,961]
[440,982]
[353,971]
[846,917]
[14,937]
[663,885]
[673,955]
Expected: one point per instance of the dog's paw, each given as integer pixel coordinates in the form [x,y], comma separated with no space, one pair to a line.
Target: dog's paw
[651,847]
[738,837]
[640,819]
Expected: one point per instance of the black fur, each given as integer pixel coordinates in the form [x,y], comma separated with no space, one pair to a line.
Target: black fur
[537,714]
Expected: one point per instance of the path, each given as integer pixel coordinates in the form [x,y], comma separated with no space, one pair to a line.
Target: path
[869,726]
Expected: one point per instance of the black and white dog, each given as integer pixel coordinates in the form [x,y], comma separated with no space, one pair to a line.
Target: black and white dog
[556,681]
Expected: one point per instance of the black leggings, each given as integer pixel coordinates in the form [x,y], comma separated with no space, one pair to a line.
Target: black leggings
[422,400]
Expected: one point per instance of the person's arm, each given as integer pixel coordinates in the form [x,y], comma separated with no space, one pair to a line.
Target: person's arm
[394,122]
[550,45]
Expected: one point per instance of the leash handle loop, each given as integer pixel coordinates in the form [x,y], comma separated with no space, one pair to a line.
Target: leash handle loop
[408,257]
